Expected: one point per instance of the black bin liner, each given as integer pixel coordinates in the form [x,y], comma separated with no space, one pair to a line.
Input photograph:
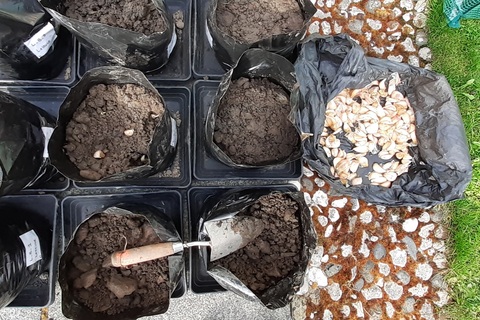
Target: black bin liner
[120,46]
[27,22]
[254,63]
[166,231]
[24,134]
[228,50]
[229,204]
[441,169]
[25,243]
[162,148]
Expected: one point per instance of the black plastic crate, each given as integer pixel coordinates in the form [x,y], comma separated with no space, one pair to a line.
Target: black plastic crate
[75,209]
[205,63]
[177,100]
[179,66]
[200,280]
[206,167]
[40,292]
[66,77]
[48,98]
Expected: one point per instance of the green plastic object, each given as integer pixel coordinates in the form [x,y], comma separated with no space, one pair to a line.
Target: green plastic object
[461,9]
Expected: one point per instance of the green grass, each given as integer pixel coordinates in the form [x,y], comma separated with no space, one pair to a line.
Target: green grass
[457,55]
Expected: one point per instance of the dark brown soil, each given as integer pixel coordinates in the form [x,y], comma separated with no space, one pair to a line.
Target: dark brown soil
[113,290]
[275,252]
[101,124]
[249,21]
[139,15]
[252,125]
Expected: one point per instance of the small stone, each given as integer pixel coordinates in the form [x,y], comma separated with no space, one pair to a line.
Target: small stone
[320,198]
[411,247]
[332,269]
[374,292]
[379,251]
[359,285]
[392,26]
[326,28]
[438,282]
[406,4]
[334,291]
[404,277]
[333,214]
[425,53]
[395,37]
[378,51]
[352,220]
[373,5]
[408,45]
[381,209]
[368,266]
[322,15]
[420,20]
[425,231]
[389,309]
[359,307]
[409,305]
[322,220]
[356,26]
[443,298]
[380,282]
[427,311]
[420,5]
[418,290]
[345,311]
[307,184]
[319,182]
[428,66]
[355,204]
[339,203]
[329,3]
[392,234]
[328,231]
[353,273]
[414,61]
[346,250]
[424,271]
[364,250]
[325,258]
[368,36]
[355,11]
[393,290]
[316,275]
[384,268]
[327,315]
[366,217]
[440,260]
[410,225]
[407,16]
[333,248]
[307,172]
[426,244]
[337,28]
[424,217]
[439,246]
[441,233]
[316,259]
[396,12]
[408,29]
[374,24]
[421,40]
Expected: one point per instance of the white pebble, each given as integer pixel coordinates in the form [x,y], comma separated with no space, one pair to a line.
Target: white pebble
[354,11]
[426,244]
[389,308]
[334,291]
[399,257]
[440,260]
[322,15]
[418,290]
[333,214]
[393,290]
[316,275]
[307,172]
[384,268]
[406,4]
[420,5]
[374,238]
[322,220]
[397,58]
[410,225]
[359,307]
[366,217]
[353,273]
[326,28]
[330,3]
[424,271]
[320,198]
[316,259]
[319,182]
[381,209]
[355,204]
[374,24]
[439,246]
[425,231]
[327,315]
[424,217]
[443,298]
[364,250]
[337,28]
[339,203]
[346,250]
[414,61]
[392,234]
[425,53]
[328,231]
[407,16]
[427,311]
[345,311]
[325,258]
[372,293]
[408,45]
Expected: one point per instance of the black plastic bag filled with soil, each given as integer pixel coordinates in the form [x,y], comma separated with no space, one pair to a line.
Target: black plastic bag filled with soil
[271,268]
[248,124]
[32,45]
[91,291]
[440,167]
[24,134]
[25,243]
[277,26]
[134,34]
[112,126]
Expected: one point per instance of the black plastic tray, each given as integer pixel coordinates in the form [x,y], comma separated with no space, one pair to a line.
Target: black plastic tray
[66,77]
[179,66]
[75,209]
[205,63]
[177,99]
[48,98]
[200,280]
[40,292]
[208,168]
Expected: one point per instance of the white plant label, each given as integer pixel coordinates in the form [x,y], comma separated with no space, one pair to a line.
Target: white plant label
[173,141]
[209,35]
[33,251]
[47,132]
[172,43]
[40,42]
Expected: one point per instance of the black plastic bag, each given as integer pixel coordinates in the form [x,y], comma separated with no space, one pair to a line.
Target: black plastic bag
[25,243]
[24,134]
[165,230]
[32,45]
[254,63]
[233,202]
[228,50]
[162,148]
[441,169]
[120,46]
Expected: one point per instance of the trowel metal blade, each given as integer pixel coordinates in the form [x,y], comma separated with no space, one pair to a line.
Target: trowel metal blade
[229,235]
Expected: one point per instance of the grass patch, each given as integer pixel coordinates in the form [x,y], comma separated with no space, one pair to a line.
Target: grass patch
[456,54]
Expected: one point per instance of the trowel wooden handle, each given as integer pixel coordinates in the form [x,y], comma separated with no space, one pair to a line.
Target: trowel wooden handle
[143,254]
